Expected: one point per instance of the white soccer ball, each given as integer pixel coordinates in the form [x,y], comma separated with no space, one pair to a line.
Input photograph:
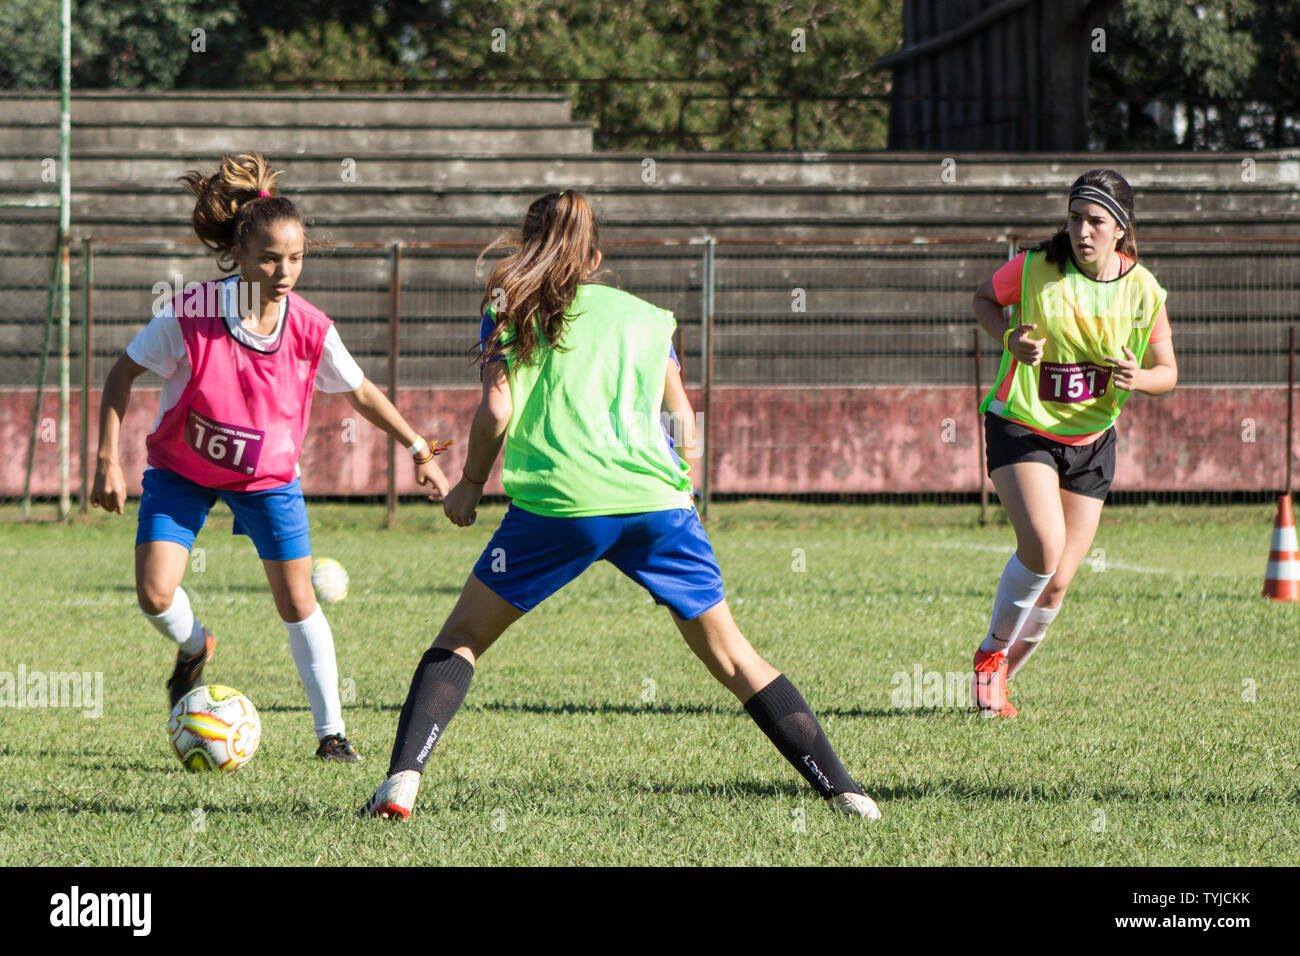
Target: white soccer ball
[330,580]
[214,728]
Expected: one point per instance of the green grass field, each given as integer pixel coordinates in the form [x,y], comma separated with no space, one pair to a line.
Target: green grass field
[1157,724]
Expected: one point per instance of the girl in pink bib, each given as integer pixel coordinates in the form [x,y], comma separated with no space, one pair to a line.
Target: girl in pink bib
[240,358]
[209,435]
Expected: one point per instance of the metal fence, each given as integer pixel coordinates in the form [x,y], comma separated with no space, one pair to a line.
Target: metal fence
[823,369]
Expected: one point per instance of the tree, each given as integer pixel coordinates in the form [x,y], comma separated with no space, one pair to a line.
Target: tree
[322,56]
[648,73]
[122,46]
[1213,74]
[1276,80]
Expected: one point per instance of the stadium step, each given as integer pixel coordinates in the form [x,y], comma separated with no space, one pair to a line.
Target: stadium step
[484,137]
[344,201]
[321,109]
[31,220]
[533,168]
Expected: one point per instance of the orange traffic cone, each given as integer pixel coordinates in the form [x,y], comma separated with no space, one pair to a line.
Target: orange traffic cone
[1282,582]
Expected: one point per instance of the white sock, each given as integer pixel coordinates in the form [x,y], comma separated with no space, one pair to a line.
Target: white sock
[179,624]
[1018,589]
[312,644]
[1030,636]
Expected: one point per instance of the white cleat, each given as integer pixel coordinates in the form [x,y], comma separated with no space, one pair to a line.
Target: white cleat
[855,805]
[394,798]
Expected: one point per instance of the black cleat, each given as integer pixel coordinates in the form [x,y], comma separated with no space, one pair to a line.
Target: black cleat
[189,670]
[337,747]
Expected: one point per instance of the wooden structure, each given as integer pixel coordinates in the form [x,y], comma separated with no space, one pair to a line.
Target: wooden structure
[994,74]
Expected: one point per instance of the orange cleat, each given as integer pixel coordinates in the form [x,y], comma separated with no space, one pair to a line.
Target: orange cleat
[988,690]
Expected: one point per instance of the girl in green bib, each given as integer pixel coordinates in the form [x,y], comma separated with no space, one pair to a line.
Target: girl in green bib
[576,377]
[1089,329]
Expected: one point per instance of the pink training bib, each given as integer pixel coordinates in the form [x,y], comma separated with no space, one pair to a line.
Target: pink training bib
[239,424]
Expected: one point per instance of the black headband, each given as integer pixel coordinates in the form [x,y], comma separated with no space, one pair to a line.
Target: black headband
[1101,198]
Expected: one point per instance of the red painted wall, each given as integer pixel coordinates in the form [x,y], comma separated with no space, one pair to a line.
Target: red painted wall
[774,440]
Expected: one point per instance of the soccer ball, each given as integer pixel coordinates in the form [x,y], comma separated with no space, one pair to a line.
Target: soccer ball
[214,728]
[330,581]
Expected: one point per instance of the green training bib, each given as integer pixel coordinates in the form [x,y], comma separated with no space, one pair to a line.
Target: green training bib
[585,436]
[1083,322]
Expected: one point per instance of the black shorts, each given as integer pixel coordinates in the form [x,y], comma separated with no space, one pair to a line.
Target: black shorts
[1083,469]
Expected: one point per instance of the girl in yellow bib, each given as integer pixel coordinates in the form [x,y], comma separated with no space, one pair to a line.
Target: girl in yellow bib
[1089,329]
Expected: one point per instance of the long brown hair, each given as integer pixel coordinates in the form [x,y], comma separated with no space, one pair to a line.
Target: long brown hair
[531,289]
[1115,186]
[231,206]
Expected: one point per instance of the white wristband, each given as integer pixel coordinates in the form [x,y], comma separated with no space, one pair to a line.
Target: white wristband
[419,448]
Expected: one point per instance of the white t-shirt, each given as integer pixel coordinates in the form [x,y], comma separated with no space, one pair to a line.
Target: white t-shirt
[160,347]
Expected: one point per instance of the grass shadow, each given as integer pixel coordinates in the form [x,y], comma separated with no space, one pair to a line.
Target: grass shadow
[102,805]
[398,590]
[966,792]
[570,708]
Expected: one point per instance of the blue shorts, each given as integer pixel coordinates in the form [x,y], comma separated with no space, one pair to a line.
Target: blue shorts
[173,508]
[667,552]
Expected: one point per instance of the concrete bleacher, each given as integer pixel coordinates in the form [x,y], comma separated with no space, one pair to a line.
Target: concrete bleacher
[463,167]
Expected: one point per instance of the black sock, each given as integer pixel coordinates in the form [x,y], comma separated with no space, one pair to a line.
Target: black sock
[781,712]
[437,691]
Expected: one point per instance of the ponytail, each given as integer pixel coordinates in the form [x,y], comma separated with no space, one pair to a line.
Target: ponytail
[531,289]
[235,201]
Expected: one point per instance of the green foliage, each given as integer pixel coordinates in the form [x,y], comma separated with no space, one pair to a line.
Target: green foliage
[29,44]
[1277,77]
[123,46]
[1227,66]
[737,61]
[671,74]
[648,74]
[321,56]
